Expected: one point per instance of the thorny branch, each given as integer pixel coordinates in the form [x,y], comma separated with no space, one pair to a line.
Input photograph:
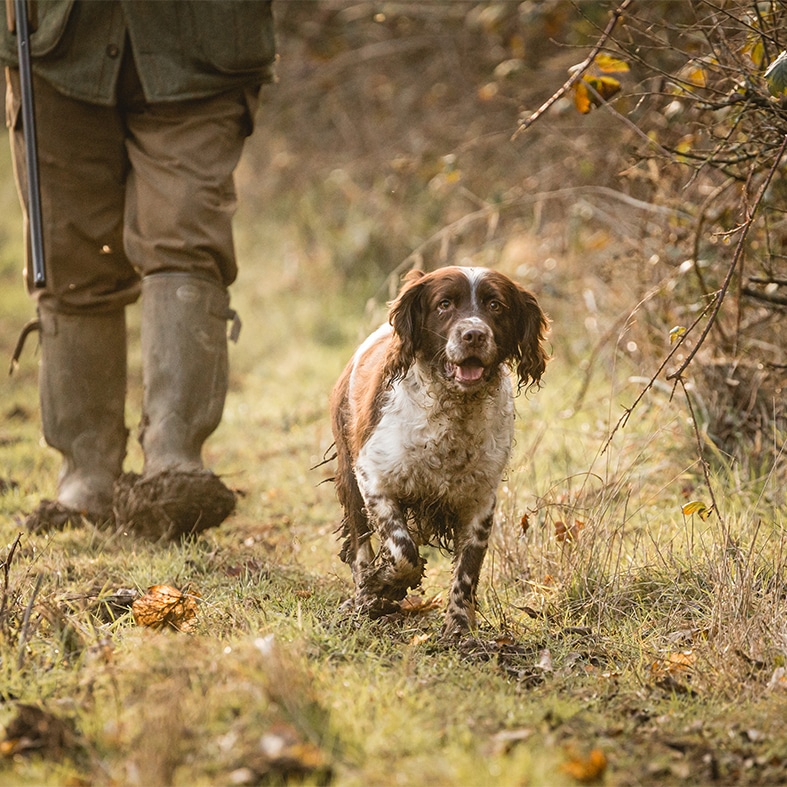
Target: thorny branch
[576,72]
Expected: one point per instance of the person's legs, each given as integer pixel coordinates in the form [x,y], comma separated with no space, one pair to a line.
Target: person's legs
[83,165]
[179,207]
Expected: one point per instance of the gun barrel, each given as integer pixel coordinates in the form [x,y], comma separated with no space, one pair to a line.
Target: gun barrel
[35,220]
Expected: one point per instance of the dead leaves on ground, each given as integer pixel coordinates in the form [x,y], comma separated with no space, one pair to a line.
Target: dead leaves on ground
[166,607]
[674,672]
[283,755]
[37,731]
[419,605]
[586,769]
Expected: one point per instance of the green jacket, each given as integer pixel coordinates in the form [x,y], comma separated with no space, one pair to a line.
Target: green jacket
[183,49]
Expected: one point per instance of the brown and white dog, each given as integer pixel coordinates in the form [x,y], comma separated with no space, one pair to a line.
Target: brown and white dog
[423,420]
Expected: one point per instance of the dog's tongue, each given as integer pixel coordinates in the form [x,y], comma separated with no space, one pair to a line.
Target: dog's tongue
[469,372]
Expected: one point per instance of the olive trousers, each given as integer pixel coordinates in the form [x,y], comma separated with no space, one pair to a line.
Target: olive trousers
[131,189]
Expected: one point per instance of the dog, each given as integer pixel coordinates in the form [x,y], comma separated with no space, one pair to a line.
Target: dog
[423,424]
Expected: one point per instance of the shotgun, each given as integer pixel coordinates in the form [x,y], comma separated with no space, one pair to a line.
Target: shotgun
[19,22]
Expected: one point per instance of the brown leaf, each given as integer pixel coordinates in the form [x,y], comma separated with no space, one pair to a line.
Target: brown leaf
[586,769]
[418,605]
[674,664]
[36,730]
[166,607]
[565,532]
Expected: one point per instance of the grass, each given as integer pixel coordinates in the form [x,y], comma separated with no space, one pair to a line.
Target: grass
[620,642]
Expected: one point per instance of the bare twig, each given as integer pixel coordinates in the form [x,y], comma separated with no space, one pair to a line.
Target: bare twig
[630,409]
[701,456]
[576,72]
[776,300]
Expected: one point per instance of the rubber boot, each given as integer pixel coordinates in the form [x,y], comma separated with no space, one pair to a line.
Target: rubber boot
[185,378]
[82,385]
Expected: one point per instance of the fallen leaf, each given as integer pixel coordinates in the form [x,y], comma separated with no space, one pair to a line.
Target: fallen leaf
[680,663]
[166,607]
[586,769]
[418,605]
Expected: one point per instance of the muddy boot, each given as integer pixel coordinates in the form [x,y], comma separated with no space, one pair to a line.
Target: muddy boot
[185,375]
[83,391]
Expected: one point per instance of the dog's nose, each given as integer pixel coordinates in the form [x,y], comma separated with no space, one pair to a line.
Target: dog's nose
[473,336]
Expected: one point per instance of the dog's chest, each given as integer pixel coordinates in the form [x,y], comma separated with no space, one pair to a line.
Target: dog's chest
[424,448]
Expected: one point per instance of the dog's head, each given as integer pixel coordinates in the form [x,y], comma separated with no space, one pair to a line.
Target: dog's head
[463,323]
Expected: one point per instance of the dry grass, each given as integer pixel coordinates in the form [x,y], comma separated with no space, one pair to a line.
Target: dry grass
[629,629]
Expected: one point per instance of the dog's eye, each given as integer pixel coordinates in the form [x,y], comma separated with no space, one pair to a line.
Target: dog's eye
[495,306]
[444,305]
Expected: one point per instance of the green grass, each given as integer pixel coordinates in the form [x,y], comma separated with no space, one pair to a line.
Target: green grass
[650,637]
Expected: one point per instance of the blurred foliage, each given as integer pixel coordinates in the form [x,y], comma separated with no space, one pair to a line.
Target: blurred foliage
[392,120]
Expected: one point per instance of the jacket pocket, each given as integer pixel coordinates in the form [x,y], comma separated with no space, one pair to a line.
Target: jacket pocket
[234,36]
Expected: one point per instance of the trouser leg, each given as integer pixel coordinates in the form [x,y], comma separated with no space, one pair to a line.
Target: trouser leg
[178,232]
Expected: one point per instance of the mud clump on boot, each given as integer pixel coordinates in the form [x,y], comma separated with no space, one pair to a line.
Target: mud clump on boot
[171,504]
[51,515]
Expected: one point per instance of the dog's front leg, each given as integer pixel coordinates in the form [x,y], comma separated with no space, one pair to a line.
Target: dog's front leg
[470,549]
[397,566]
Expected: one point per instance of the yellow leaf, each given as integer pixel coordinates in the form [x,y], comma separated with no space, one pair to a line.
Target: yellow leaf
[582,98]
[605,87]
[755,50]
[586,769]
[696,507]
[611,65]
[697,76]
[676,333]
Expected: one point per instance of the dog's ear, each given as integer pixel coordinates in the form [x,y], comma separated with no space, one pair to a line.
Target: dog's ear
[531,329]
[406,315]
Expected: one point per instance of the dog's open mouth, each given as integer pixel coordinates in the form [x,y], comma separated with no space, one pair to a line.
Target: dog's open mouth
[467,372]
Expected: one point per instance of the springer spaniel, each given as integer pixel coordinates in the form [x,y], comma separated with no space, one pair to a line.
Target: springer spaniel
[423,421]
